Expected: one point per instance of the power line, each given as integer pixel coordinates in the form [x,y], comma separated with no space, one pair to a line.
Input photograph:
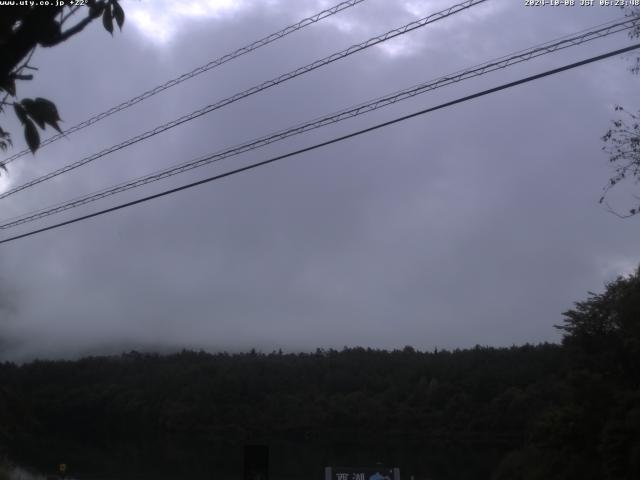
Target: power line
[329,142]
[503,62]
[253,90]
[196,71]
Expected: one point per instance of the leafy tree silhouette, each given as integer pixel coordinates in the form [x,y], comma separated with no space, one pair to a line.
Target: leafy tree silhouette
[622,141]
[22,30]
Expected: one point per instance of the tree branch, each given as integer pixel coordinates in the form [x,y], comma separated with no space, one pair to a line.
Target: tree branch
[77,28]
[611,210]
[72,11]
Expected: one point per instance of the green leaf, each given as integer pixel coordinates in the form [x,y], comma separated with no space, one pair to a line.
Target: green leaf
[31,136]
[118,13]
[107,19]
[32,110]
[95,9]
[49,107]
[20,113]
[48,111]
[42,111]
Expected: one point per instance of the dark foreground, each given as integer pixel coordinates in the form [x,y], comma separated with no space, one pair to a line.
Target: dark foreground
[532,412]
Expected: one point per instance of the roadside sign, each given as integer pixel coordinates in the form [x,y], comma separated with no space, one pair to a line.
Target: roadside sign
[361,473]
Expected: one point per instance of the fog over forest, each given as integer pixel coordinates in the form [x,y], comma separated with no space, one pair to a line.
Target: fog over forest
[372,233]
[475,224]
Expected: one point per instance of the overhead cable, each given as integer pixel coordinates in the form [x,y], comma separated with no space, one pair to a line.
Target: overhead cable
[492,65]
[258,88]
[195,72]
[328,142]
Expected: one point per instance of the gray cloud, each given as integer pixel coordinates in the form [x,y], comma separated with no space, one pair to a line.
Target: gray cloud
[476,224]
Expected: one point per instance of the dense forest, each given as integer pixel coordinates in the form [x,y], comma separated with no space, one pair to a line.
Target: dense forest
[531,412]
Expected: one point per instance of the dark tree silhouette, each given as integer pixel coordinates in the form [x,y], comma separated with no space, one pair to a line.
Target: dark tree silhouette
[22,30]
[607,326]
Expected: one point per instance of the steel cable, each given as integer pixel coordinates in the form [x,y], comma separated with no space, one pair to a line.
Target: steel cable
[351,112]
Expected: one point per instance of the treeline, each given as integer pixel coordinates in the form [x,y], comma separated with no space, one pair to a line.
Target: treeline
[483,391]
[551,411]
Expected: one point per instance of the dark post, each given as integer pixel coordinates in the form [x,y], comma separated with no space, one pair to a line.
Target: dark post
[256,462]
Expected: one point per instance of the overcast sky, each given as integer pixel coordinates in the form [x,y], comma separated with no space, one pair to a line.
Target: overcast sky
[477,224]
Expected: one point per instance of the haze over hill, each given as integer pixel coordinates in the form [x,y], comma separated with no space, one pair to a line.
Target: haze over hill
[477,224]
